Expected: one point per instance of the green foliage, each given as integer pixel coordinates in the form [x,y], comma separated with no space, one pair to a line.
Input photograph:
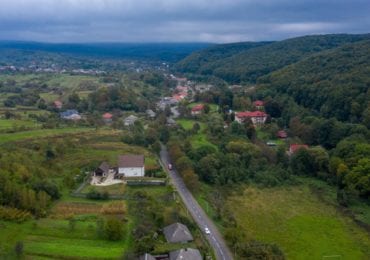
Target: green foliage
[113,229]
[334,83]
[251,61]
[13,214]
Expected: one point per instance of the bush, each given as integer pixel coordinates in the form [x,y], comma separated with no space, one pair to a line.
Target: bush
[113,229]
[95,195]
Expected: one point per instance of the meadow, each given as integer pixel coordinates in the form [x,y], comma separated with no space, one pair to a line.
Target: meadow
[33,134]
[199,139]
[301,223]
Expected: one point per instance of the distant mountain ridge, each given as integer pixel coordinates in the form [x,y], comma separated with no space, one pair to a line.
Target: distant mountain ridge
[167,52]
[249,61]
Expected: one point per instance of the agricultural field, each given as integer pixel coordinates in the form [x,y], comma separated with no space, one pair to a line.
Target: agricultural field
[302,224]
[70,231]
[6,124]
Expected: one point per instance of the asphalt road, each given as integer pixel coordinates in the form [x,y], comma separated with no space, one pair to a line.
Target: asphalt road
[215,239]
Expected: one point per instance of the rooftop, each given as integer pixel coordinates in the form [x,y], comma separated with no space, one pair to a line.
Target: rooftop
[131,161]
[177,232]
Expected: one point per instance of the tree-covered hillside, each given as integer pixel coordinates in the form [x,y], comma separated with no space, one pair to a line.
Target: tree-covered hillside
[198,62]
[247,66]
[333,83]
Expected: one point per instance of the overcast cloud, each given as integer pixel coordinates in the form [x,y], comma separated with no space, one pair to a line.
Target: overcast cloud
[178,20]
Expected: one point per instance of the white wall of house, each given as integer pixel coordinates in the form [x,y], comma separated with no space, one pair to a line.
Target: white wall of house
[132,172]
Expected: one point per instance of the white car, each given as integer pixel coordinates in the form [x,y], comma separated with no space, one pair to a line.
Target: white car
[206,230]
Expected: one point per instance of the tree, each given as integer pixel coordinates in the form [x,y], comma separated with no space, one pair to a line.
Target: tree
[191,180]
[113,229]
[19,248]
[196,127]
[206,109]
[302,162]
[359,177]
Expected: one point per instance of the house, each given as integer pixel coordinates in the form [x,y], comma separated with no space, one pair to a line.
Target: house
[295,147]
[150,113]
[131,166]
[257,117]
[130,120]
[170,122]
[177,233]
[58,104]
[180,96]
[282,134]
[197,109]
[259,104]
[186,254]
[70,114]
[107,118]
[102,170]
[147,257]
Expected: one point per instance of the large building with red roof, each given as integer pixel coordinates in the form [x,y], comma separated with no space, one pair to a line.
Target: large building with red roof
[257,117]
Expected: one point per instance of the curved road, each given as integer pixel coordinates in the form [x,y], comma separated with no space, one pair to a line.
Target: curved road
[215,239]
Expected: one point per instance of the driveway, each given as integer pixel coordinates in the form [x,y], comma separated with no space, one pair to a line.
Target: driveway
[215,239]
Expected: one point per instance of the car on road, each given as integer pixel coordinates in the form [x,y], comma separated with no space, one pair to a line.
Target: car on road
[170,166]
[207,231]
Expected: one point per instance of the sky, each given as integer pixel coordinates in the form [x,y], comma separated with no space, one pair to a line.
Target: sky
[218,21]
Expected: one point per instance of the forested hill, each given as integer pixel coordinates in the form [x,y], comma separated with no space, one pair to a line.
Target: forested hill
[168,52]
[248,65]
[334,83]
[198,62]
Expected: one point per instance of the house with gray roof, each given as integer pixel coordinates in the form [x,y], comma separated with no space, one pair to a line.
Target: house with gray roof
[130,120]
[177,233]
[102,170]
[186,254]
[150,113]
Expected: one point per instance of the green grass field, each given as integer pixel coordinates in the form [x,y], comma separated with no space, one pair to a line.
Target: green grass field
[13,124]
[20,136]
[198,139]
[299,223]
[56,239]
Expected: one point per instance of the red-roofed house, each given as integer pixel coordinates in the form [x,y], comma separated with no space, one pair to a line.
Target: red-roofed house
[179,97]
[295,147]
[58,104]
[257,117]
[282,134]
[107,117]
[197,109]
[259,104]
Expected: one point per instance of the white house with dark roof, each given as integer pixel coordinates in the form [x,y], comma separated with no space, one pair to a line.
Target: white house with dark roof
[131,166]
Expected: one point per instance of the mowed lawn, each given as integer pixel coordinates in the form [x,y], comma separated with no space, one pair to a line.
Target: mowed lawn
[301,225]
[19,136]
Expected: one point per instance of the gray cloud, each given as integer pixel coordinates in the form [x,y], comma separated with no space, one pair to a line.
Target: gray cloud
[178,20]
